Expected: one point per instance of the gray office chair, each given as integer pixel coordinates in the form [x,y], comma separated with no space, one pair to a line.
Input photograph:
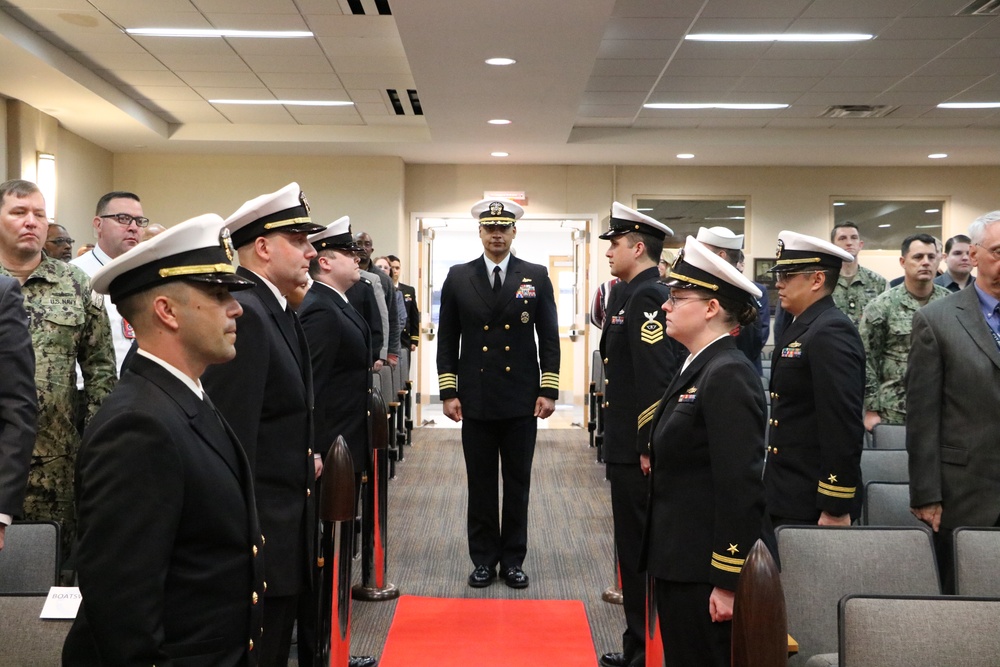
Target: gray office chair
[27,640]
[885,465]
[888,504]
[820,565]
[29,561]
[914,630]
[976,552]
[889,436]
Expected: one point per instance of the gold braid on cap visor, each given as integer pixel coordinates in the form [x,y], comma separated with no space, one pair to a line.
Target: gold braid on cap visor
[285,223]
[699,283]
[173,271]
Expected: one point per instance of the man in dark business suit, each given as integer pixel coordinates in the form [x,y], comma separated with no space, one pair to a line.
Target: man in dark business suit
[18,402]
[266,394]
[813,470]
[639,361]
[169,551]
[952,399]
[496,381]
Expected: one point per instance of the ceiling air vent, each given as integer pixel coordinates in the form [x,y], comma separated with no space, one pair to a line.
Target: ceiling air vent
[980,8]
[366,7]
[399,107]
[858,111]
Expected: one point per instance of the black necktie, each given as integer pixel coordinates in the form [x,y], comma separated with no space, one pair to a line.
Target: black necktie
[496,279]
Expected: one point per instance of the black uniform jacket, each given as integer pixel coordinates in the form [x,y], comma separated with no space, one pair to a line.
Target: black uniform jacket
[362,296]
[412,334]
[706,503]
[639,362]
[486,353]
[340,347]
[18,400]
[816,428]
[170,553]
[266,394]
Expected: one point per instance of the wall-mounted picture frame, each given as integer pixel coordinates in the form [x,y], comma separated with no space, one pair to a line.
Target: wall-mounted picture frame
[762,275]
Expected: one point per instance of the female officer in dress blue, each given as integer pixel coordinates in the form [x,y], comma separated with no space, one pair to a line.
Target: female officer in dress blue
[706,505]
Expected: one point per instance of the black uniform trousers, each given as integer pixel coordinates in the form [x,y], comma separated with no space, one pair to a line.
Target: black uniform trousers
[689,635]
[629,490]
[496,538]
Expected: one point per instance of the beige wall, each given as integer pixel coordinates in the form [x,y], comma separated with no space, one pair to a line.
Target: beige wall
[84,172]
[174,188]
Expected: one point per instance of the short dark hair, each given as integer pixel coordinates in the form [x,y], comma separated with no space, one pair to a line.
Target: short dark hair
[102,203]
[17,187]
[653,245]
[393,258]
[922,238]
[957,238]
[839,225]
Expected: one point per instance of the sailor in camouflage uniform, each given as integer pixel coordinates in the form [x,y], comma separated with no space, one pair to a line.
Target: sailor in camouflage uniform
[885,331]
[817,389]
[639,361]
[68,325]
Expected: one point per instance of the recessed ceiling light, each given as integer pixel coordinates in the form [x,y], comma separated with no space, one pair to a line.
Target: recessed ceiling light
[735,206]
[884,226]
[937,156]
[500,61]
[933,210]
[969,105]
[700,105]
[839,203]
[685,156]
[499,121]
[779,37]
[499,154]
[644,209]
[205,32]
[301,103]
[925,226]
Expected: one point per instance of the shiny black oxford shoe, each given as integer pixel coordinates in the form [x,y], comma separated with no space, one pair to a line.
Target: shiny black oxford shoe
[482,576]
[515,577]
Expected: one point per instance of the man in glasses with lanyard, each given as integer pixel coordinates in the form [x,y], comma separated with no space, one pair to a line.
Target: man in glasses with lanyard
[118,224]
[952,398]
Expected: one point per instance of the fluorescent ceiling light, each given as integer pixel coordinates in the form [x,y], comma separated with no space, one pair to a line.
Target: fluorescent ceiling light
[731,217]
[839,203]
[299,103]
[926,226]
[500,61]
[499,154]
[735,206]
[499,121]
[207,32]
[969,105]
[779,37]
[685,156]
[937,156]
[933,210]
[750,107]
[884,226]
[644,209]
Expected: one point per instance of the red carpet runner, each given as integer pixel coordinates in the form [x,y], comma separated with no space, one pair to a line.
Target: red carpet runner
[441,632]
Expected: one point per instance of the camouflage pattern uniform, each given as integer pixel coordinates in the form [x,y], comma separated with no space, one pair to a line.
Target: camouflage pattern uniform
[68,324]
[851,295]
[885,331]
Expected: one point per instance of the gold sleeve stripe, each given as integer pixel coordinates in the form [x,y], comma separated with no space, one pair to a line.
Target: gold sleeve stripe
[838,489]
[835,494]
[727,568]
[550,380]
[728,559]
[448,381]
[646,415]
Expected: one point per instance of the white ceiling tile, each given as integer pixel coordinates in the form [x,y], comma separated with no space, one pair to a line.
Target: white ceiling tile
[974,48]
[320,116]
[383,27]
[749,9]
[225,93]
[623,67]
[62,5]
[825,99]
[820,51]
[846,84]
[130,18]
[366,96]
[645,28]
[902,49]
[363,47]
[736,24]
[622,83]
[613,98]
[370,109]
[865,25]
[197,63]
[932,123]
[186,46]
[733,122]
[187,112]
[321,7]
[392,120]
[945,85]
[961,66]
[889,67]
[255,21]
[59,21]
[775,84]
[267,115]
[304,48]
[108,6]
[607,110]
[726,68]
[955,27]
[656,8]
[236,6]
[332,95]
[803,111]
[856,8]
[290,64]
[991,31]
[317,80]
[899,97]
[695,84]
[329,120]
[221,79]
[790,68]
[636,48]
[602,122]
[106,42]
[798,123]
[650,122]
[387,66]
[174,93]
[122,61]
[722,50]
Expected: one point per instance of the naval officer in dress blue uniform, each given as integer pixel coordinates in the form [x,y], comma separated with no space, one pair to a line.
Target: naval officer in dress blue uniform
[266,394]
[706,503]
[813,473]
[639,361]
[497,382]
[170,552]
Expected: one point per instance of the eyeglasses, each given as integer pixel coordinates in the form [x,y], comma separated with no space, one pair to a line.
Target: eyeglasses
[62,240]
[126,219]
[675,302]
[993,251]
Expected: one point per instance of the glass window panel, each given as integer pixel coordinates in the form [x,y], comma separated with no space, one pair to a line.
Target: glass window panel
[884,223]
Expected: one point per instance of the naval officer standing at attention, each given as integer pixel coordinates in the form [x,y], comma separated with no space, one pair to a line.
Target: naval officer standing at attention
[169,546]
[497,382]
[639,361]
[266,394]
[706,502]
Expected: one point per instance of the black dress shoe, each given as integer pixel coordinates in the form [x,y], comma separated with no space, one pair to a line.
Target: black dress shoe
[515,577]
[613,660]
[482,576]
[362,661]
